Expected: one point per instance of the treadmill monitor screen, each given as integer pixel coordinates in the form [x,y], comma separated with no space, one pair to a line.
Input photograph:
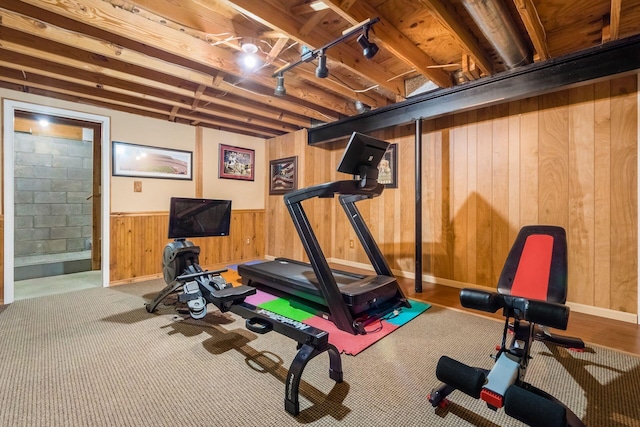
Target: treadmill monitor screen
[362,150]
[198,217]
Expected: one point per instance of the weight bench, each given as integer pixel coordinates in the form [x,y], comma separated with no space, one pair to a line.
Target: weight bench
[532,291]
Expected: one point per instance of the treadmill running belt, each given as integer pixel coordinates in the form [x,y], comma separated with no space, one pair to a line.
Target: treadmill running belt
[298,279]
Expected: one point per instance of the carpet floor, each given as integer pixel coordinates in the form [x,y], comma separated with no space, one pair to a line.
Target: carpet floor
[95,357]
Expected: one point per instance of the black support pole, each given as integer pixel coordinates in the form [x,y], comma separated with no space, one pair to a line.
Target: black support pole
[418,219]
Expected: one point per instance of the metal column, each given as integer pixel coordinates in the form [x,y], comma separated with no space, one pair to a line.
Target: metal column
[418,218]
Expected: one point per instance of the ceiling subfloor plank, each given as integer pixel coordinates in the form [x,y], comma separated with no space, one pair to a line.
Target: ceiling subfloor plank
[460,33]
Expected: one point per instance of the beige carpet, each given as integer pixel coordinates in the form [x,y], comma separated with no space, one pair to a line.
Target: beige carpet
[96,358]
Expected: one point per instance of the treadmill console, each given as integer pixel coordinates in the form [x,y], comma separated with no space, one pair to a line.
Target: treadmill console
[362,156]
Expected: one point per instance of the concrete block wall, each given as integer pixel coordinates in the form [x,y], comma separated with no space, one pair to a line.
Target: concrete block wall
[53,179]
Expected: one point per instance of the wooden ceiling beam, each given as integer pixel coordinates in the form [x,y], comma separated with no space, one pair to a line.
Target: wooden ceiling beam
[614,19]
[108,50]
[288,24]
[159,98]
[13,52]
[533,24]
[155,40]
[277,48]
[174,112]
[193,15]
[95,94]
[461,34]
[162,9]
[197,95]
[392,39]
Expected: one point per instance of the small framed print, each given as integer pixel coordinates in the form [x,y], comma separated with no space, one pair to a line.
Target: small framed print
[283,175]
[388,167]
[150,162]
[236,163]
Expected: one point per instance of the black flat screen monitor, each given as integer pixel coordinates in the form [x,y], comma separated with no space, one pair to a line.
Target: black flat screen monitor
[198,217]
[362,155]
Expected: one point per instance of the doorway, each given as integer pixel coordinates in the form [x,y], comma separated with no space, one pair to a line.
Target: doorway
[70,244]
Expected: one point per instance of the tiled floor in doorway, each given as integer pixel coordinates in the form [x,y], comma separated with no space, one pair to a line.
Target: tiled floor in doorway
[51,285]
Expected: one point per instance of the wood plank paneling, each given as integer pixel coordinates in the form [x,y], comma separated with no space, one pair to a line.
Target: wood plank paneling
[624,194]
[581,236]
[138,240]
[568,158]
[500,190]
[484,165]
[602,194]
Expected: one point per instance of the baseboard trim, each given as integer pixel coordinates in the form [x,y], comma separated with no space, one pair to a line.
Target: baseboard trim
[579,308]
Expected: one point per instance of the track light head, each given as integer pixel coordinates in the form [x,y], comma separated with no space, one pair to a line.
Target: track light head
[322,71]
[369,49]
[280,89]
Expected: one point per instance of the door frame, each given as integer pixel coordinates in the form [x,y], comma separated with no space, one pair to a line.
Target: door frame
[9,109]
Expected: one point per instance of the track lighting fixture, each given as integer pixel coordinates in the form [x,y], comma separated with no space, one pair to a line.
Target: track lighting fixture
[322,71]
[369,50]
[280,89]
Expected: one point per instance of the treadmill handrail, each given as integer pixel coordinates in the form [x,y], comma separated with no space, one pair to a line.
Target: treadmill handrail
[330,189]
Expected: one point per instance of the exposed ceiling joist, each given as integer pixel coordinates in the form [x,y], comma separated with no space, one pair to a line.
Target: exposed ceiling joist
[286,23]
[532,23]
[146,37]
[358,11]
[98,62]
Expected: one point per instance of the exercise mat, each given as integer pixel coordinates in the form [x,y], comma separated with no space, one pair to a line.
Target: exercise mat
[345,342]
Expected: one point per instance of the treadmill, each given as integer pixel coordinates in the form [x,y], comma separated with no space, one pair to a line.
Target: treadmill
[351,301]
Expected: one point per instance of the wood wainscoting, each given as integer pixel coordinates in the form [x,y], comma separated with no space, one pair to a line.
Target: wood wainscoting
[138,239]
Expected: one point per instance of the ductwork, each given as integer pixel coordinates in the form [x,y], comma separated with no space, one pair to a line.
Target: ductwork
[495,22]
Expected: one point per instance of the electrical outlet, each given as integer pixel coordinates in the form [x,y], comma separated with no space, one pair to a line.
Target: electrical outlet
[248,241]
[137,186]
[351,245]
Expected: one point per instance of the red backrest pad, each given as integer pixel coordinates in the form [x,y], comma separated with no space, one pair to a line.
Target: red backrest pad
[532,276]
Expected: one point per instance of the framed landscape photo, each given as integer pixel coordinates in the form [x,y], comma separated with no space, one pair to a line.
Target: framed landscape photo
[236,163]
[150,162]
[388,167]
[283,175]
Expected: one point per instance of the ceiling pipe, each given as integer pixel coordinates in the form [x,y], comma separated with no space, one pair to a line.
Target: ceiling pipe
[495,22]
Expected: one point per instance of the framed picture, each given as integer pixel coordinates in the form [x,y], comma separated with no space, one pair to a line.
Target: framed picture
[283,175]
[388,167]
[150,162]
[236,163]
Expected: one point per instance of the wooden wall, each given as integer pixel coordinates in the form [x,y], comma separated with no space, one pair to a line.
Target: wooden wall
[138,240]
[315,165]
[567,158]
